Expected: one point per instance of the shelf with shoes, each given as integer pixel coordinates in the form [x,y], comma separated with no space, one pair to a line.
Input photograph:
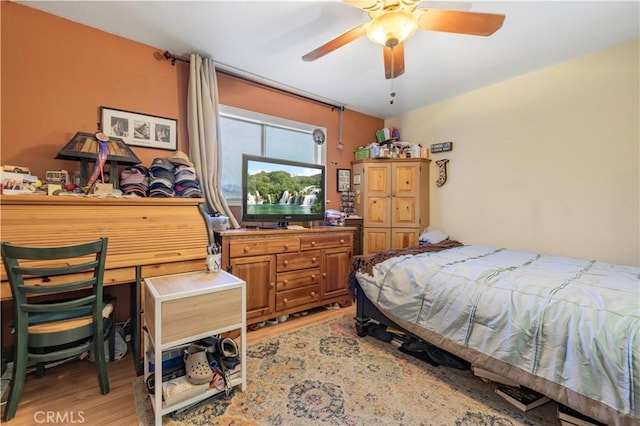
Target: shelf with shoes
[178,318]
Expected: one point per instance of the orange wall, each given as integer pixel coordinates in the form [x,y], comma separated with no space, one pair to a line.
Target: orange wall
[56,74]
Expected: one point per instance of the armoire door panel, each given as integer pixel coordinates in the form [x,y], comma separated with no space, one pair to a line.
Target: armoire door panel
[377,213]
[404,212]
[402,238]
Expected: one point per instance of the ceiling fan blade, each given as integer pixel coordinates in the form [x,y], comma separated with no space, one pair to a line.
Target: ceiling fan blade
[453,21]
[393,61]
[336,43]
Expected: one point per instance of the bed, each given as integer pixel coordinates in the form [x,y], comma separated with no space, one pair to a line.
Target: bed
[565,327]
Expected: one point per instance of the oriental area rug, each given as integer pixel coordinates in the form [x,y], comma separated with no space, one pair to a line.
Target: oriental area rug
[326,374]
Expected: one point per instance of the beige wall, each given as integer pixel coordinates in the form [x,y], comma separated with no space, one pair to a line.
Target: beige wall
[547,162]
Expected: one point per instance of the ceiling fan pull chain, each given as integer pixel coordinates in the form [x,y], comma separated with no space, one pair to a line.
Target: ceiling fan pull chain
[340,146]
[393,74]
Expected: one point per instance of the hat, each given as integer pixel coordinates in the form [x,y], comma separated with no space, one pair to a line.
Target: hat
[180,157]
[162,163]
[132,175]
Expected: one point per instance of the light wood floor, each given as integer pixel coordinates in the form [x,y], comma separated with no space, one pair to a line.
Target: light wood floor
[70,394]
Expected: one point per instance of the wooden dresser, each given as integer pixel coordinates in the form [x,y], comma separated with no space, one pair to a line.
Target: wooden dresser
[147,237]
[289,270]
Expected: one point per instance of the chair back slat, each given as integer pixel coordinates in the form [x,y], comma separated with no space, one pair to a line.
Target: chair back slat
[56,288]
[62,306]
[34,271]
[53,253]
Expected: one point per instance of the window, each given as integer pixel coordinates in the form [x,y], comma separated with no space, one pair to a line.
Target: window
[247,132]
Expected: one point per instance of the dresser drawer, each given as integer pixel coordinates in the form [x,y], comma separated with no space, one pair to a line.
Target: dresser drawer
[296,279]
[263,246]
[326,241]
[294,261]
[298,296]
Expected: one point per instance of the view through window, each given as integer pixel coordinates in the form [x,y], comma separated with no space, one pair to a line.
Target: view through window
[247,132]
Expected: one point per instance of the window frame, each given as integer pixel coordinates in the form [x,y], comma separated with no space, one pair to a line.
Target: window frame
[265,120]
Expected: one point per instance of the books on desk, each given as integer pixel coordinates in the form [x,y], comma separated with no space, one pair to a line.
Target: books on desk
[523,398]
[571,417]
[490,376]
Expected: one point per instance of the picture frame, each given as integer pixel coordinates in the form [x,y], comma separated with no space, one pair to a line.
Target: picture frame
[344,180]
[137,129]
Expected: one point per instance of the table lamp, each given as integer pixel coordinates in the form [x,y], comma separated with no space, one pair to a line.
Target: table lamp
[83,147]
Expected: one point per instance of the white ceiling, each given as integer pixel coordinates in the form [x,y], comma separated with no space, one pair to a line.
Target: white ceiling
[266,40]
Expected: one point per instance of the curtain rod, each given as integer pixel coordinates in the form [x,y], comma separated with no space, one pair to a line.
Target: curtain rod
[173,58]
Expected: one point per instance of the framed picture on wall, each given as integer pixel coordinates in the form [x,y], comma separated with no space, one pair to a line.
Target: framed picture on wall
[138,129]
[344,180]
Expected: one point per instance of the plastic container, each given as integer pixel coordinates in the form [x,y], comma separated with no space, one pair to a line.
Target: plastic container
[219,223]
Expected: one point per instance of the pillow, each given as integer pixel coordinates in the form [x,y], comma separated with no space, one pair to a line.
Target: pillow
[432,236]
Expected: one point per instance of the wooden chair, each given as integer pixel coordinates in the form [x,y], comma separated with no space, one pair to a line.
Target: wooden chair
[58,329]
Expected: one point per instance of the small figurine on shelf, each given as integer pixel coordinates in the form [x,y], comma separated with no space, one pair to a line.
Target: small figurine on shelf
[101,159]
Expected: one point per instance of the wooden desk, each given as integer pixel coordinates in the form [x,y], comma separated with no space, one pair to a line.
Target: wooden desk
[147,237]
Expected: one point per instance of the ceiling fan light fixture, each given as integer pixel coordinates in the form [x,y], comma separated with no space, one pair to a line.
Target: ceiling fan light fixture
[392,27]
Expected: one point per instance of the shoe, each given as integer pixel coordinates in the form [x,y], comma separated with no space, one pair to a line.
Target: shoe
[336,305]
[283,318]
[227,348]
[196,365]
[272,321]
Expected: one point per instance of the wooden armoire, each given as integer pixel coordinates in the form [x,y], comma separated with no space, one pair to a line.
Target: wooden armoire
[392,195]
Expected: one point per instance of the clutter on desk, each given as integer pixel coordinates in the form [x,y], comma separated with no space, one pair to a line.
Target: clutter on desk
[18,180]
[174,176]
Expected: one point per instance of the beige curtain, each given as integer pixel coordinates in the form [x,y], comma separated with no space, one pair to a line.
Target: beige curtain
[204,138]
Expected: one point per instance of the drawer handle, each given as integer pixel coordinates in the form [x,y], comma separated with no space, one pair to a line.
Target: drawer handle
[342,241]
[313,276]
[285,300]
[285,282]
[313,243]
[314,259]
[286,246]
[286,262]
[324,274]
[313,294]
[272,284]
[246,249]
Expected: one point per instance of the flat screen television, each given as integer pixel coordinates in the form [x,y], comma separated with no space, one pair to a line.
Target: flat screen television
[280,191]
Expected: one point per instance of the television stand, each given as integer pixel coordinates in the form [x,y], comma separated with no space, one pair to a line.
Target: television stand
[289,270]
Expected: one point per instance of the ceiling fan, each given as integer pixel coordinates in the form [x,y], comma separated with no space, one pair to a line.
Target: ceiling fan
[394,21]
